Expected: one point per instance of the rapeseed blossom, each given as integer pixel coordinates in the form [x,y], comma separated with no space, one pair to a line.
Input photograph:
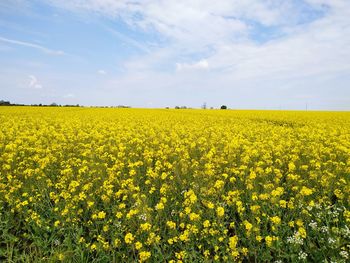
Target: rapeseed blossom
[129,238]
[198,185]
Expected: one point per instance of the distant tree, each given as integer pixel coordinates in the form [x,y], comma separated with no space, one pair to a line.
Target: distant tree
[4,103]
[204,106]
[223,107]
[54,104]
[177,107]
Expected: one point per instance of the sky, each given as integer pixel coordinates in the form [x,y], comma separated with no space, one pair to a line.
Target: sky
[251,54]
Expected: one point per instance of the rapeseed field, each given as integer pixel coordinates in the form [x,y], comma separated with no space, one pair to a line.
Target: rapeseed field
[128,185]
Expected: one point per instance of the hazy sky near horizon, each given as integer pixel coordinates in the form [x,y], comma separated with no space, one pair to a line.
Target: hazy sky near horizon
[259,54]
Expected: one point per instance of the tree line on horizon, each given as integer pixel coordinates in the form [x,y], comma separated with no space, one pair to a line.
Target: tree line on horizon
[8,103]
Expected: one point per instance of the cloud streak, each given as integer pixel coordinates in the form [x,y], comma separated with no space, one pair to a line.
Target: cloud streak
[32,45]
[128,40]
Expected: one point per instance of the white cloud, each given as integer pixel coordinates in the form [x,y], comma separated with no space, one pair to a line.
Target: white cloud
[69,95]
[32,45]
[202,64]
[101,72]
[223,32]
[318,47]
[34,83]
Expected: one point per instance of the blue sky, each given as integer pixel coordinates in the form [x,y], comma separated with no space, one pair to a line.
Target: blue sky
[153,53]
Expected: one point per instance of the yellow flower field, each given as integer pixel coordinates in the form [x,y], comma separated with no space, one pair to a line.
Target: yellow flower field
[126,185]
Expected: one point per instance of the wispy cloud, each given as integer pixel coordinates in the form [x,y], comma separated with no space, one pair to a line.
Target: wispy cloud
[32,45]
[34,83]
[128,40]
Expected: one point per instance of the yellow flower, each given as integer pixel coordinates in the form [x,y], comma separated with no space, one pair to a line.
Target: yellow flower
[338,193]
[119,215]
[301,232]
[138,245]
[283,203]
[145,226]
[129,238]
[268,240]
[347,216]
[248,226]
[180,255]
[233,242]
[255,208]
[275,220]
[131,213]
[277,192]
[144,255]
[291,167]
[264,196]
[194,216]
[171,224]
[299,222]
[305,191]
[185,236]
[93,247]
[219,184]
[206,223]
[160,206]
[210,205]
[220,211]
[101,215]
